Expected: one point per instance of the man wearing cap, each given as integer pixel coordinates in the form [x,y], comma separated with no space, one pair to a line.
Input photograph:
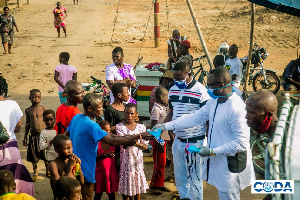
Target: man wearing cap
[173,44]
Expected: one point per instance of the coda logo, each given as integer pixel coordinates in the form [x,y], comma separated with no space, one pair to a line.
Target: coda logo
[272,186]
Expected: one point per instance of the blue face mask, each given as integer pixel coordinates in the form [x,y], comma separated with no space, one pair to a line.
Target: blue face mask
[181,84]
[211,91]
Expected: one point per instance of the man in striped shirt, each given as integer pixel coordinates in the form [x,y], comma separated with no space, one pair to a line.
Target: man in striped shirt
[185,97]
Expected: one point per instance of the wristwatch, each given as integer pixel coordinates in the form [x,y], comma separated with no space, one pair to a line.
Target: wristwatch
[212,153]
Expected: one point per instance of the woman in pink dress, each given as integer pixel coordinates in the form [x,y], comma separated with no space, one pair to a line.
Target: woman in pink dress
[132,180]
[106,173]
[60,14]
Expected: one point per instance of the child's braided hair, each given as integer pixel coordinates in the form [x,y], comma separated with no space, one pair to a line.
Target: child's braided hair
[3,87]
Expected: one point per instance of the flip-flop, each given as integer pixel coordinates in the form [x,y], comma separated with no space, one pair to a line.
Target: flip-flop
[33,178]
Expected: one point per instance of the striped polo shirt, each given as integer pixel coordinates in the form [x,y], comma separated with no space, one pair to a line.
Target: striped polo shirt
[186,101]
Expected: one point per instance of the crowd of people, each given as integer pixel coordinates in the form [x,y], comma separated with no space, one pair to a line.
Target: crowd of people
[101,151]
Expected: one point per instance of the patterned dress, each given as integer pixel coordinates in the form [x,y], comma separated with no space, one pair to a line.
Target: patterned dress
[132,180]
[6,29]
[59,20]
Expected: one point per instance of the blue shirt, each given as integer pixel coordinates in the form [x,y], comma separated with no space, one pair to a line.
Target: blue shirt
[85,135]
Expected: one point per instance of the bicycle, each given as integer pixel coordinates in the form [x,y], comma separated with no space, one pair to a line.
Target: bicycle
[203,73]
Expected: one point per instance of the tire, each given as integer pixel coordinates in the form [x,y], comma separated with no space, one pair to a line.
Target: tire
[272,78]
[203,79]
[258,146]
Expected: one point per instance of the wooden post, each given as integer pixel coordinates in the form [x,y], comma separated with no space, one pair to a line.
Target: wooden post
[18,3]
[200,34]
[27,2]
[156,23]
[6,3]
[251,46]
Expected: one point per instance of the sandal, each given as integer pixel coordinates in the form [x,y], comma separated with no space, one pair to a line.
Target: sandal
[33,178]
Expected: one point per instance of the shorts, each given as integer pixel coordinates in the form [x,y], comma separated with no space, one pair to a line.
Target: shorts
[60,25]
[34,154]
[8,37]
[62,99]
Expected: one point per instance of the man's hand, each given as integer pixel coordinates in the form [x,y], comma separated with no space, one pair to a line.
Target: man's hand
[146,136]
[205,151]
[25,141]
[159,126]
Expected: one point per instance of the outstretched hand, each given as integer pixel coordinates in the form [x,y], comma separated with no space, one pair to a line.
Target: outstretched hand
[159,126]
[146,136]
[205,151]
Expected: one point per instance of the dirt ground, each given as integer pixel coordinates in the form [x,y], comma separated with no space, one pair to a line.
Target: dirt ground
[93,25]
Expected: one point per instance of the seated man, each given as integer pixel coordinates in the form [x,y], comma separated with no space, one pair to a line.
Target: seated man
[173,46]
[234,65]
[291,76]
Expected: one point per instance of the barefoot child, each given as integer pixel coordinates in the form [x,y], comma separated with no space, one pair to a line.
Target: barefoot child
[107,179]
[67,188]
[33,128]
[47,136]
[158,115]
[63,73]
[132,178]
[66,111]
[66,162]
[60,14]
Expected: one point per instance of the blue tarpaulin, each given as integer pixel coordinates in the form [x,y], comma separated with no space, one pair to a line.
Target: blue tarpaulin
[291,7]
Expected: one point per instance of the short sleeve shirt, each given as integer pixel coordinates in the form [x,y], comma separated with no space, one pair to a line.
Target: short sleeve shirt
[235,66]
[85,135]
[65,74]
[7,22]
[10,115]
[64,115]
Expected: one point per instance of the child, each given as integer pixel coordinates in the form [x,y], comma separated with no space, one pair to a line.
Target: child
[67,111]
[46,137]
[34,125]
[60,14]
[63,73]
[107,179]
[132,178]
[66,161]
[158,115]
[8,185]
[67,188]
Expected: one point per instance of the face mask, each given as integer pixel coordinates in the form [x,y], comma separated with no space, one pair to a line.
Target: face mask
[181,84]
[211,91]
[266,124]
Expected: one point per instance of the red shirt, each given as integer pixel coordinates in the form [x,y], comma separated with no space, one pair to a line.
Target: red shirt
[64,115]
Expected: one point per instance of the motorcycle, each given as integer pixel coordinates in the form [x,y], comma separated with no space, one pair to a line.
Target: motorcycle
[259,77]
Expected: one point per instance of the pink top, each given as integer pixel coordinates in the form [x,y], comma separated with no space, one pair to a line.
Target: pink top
[65,74]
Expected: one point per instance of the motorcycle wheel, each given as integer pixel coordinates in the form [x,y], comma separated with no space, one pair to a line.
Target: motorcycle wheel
[258,145]
[272,78]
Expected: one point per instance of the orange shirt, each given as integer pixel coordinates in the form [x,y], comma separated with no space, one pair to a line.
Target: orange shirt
[64,115]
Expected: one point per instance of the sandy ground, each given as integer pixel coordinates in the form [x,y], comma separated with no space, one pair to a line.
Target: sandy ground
[91,28]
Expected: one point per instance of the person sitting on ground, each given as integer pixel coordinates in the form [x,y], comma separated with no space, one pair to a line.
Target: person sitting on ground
[158,115]
[183,51]
[66,161]
[173,44]
[114,114]
[8,185]
[291,76]
[67,188]
[85,134]
[63,73]
[66,111]
[234,65]
[120,72]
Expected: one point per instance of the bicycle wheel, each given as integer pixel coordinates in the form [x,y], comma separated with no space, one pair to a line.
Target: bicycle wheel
[273,82]
[203,78]
[258,145]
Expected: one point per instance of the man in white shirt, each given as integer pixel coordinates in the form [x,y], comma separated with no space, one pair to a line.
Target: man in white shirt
[227,158]
[234,65]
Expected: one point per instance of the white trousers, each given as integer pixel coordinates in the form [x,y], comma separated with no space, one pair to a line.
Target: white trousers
[187,169]
[229,196]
